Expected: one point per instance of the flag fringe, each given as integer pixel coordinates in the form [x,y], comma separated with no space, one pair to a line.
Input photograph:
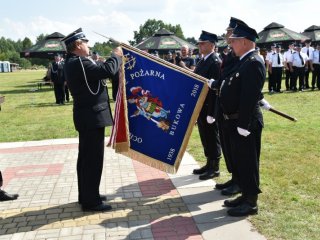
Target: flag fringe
[151,161]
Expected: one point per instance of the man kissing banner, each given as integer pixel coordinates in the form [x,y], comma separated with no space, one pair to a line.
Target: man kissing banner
[156,108]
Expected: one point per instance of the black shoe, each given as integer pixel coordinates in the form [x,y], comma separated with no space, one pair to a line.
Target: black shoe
[243,209]
[99,208]
[221,186]
[232,190]
[209,175]
[234,202]
[4,196]
[200,170]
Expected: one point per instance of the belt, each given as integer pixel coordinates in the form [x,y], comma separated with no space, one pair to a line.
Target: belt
[230,116]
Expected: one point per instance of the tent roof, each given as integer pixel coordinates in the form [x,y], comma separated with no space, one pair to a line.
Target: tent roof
[277,33]
[46,48]
[312,28]
[273,25]
[163,41]
[163,32]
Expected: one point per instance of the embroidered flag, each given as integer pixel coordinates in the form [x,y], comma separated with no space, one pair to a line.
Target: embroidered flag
[156,108]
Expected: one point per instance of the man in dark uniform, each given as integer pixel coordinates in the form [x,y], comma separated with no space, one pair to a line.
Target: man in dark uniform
[57,77]
[208,67]
[230,62]
[91,113]
[4,196]
[239,99]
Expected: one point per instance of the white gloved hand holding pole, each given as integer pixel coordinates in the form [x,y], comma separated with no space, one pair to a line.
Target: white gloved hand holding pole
[264,104]
[210,81]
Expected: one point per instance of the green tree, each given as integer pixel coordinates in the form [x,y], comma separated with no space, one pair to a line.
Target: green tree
[104,49]
[26,43]
[191,40]
[41,37]
[151,26]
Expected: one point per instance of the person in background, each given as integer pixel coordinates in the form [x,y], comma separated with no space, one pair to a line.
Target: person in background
[225,53]
[216,52]
[258,53]
[91,114]
[57,77]
[308,50]
[4,196]
[276,66]
[297,64]
[184,60]
[269,67]
[286,57]
[316,68]
[169,57]
[95,56]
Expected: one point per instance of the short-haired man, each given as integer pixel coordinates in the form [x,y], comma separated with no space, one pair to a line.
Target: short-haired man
[298,65]
[185,61]
[276,66]
[208,67]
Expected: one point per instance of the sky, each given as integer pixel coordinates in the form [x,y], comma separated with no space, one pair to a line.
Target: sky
[120,18]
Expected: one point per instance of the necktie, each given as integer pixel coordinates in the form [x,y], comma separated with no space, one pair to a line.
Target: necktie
[319,55]
[278,58]
[302,62]
[308,52]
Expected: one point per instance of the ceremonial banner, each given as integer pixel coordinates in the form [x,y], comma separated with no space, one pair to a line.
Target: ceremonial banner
[157,106]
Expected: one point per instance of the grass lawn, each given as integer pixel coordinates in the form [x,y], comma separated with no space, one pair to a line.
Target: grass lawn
[290,158]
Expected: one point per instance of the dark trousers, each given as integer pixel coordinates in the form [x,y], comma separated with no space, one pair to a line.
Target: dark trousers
[288,79]
[59,92]
[209,135]
[1,180]
[245,157]
[277,77]
[224,146]
[66,91]
[306,77]
[316,76]
[89,165]
[298,72]
[271,86]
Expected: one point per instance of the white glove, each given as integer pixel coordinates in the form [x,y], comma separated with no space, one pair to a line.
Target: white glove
[209,82]
[243,132]
[264,104]
[210,119]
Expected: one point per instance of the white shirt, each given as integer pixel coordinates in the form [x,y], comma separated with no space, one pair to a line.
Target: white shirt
[269,55]
[274,60]
[305,50]
[287,54]
[296,61]
[315,57]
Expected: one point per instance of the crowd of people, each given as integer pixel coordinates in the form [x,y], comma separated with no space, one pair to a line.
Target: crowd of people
[298,62]
[230,122]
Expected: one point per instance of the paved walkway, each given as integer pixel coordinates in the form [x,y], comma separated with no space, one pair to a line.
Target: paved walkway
[147,203]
